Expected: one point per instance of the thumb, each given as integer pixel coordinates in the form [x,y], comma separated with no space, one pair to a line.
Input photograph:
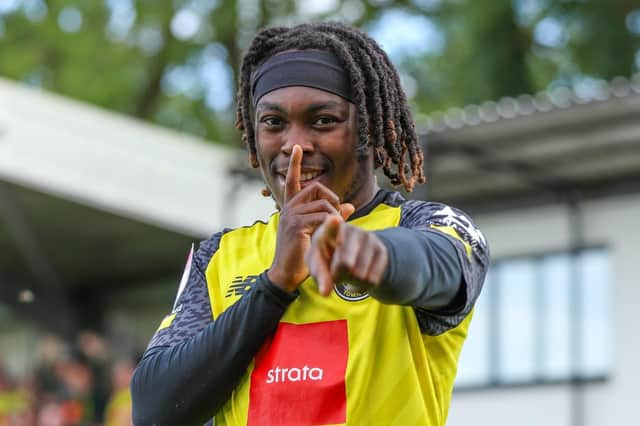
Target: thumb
[346,210]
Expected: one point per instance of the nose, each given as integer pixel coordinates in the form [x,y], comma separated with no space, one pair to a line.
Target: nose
[297,135]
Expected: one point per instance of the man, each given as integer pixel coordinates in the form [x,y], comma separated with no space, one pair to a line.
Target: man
[118,409]
[350,306]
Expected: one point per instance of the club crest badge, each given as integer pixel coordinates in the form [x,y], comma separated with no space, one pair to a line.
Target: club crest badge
[350,292]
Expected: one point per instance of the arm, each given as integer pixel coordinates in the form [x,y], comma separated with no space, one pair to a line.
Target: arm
[193,364]
[467,244]
[423,269]
[435,261]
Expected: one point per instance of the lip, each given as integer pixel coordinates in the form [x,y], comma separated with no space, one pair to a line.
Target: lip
[307,176]
[304,170]
[315,165]
[317,176]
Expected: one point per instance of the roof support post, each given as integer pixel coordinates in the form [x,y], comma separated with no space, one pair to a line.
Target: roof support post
[44,293]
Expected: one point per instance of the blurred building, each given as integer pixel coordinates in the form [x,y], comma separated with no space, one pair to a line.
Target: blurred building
[554,182]
[98,213]
[97,216]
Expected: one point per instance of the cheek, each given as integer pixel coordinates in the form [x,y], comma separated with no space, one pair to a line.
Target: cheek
[344,151]
[348,169]
[265,153]
[263,159]
[265,150]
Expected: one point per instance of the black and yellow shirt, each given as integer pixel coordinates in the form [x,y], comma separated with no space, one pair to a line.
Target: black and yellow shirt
[267,357]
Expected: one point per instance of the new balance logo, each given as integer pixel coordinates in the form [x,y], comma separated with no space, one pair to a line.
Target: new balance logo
[241,285]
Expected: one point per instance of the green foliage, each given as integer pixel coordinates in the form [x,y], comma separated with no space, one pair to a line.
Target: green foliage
[173,62]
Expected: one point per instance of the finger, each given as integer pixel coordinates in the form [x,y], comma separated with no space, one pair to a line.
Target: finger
[327,233]
[319,270]
[343,263]
[377,266]
[314,207]
[316,191]
[320,245]
[292,182]
[312,221]
[346,210]
[325,240]
[364,263]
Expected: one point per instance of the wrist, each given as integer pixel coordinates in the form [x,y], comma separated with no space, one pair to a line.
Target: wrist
[282,297]
[280,281]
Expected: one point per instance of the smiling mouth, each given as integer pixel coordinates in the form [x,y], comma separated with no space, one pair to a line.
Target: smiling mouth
[304,176]
[309,176]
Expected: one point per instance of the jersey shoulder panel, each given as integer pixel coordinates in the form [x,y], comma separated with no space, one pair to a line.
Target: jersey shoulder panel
[243,254]
[449,220]
[473,253]
[191,310]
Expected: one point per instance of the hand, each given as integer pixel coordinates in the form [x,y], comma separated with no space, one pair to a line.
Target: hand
[301,213]
[342,252]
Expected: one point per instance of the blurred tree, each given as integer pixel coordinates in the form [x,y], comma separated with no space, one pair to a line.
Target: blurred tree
[484,56]
[599,35]
[174,62]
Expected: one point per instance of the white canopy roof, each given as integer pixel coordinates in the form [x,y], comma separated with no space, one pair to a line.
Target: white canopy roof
[121,165]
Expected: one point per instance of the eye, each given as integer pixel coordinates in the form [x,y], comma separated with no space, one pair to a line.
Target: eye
[271,121]
[325,121]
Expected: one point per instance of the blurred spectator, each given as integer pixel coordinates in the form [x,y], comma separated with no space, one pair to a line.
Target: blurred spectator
[13,402]
[70,386]
[118,411]
[76,382]
[96,350]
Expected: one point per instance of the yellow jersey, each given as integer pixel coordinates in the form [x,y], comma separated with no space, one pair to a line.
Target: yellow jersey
[347,358]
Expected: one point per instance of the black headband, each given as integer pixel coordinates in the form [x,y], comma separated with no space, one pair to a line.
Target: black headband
[311,68]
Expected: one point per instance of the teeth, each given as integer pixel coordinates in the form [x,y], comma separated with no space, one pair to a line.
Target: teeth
[308,176]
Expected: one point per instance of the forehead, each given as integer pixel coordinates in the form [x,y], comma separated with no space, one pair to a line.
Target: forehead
[301,95]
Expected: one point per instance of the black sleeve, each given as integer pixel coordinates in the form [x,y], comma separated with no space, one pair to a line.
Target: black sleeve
[193,363]
[438,260]
[423,269]
[188,383]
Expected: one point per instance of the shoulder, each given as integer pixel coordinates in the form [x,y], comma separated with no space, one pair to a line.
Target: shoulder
[434,215]
[471,249]
[428,210]
[207,248]
[417,209]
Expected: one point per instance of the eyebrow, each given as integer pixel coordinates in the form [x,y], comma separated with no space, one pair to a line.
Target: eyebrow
[312,108]
[323,105]
[269,106]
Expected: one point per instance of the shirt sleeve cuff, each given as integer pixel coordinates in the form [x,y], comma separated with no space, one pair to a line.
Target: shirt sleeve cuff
[280,296]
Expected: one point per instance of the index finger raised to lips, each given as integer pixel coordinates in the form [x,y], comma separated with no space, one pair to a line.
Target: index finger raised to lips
[292,182]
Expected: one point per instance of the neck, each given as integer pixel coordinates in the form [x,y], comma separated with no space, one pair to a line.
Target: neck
[364,194]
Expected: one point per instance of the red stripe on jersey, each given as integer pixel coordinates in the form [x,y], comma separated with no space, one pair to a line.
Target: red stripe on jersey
[299,376]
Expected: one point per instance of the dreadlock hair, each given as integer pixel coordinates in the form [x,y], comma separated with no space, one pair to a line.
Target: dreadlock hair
[384,118]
